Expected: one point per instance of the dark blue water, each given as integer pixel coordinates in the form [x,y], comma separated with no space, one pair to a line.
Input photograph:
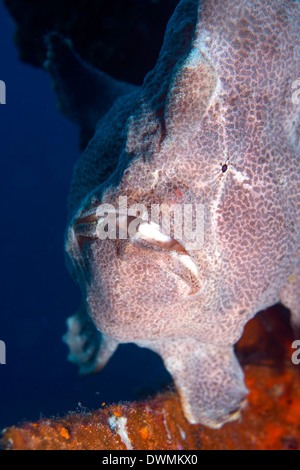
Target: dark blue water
[38,148]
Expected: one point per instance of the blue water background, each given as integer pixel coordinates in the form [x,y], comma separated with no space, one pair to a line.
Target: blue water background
[38,148]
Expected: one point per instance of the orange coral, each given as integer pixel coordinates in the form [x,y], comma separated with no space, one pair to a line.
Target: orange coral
[271,419]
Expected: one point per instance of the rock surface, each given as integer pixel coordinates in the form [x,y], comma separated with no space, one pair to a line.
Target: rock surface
[270,421]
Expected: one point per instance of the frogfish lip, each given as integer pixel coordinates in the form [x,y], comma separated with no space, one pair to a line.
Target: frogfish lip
[90,224]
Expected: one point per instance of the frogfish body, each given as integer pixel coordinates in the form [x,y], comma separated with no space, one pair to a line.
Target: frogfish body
[184,207]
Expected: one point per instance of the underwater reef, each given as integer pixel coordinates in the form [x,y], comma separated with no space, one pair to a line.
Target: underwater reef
[271,420]
[173,141]
[112,36]
[210,152]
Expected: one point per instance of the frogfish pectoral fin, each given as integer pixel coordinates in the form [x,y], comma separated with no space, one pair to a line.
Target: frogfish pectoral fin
[209,380]
[89,349]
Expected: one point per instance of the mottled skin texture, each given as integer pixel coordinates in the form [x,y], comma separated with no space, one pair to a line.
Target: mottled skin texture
[220,94]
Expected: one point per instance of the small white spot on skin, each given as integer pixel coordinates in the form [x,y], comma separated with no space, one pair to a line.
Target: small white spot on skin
[119,424]
[155,175]
[203,41]
[240,178]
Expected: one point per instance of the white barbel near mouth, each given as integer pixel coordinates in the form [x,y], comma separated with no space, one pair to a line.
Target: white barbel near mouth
[151,232]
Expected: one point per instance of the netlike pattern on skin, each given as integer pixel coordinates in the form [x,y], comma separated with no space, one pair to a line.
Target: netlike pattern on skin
[214,124]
